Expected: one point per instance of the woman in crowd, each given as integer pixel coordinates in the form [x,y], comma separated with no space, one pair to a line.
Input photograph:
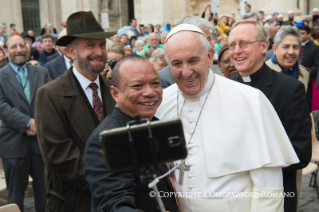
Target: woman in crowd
[224,63]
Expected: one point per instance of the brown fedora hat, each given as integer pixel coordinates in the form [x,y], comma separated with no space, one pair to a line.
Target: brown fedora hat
[82,25]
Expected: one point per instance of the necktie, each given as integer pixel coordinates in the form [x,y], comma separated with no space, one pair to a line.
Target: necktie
[97,104]
[24,80]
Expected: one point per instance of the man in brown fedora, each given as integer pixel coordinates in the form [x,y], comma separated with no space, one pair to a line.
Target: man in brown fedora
[69,109]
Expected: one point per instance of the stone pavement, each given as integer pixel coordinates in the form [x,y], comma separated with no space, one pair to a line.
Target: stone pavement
[308,197]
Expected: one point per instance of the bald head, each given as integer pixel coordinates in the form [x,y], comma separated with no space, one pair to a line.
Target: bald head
[154,40]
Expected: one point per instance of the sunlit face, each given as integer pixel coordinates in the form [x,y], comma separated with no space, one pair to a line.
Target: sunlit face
[134,23]
[247,9]
[248,60]
[154,40]
[159,64]
[115,38]
[140,47]
[124,39]
[223,41]
[189,62]
[139,90]
[17,50]
[287,52]
[47,44]
[226,65]
[89,55]
[114,55]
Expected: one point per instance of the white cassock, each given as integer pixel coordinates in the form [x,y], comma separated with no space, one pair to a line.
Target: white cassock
[242,147]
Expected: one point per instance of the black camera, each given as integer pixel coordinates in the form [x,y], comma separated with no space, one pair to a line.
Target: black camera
[112,63]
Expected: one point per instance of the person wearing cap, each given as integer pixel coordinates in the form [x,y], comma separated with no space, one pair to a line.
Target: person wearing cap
[19,148]
[68,109]
[225,65]
[268,21]
[248,44]
[291,16]
[27,38]
[228,157]
[280,19]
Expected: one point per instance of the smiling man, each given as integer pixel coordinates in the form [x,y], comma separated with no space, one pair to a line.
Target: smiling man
[209,105]
[286,93]
[69,109]
[136,90]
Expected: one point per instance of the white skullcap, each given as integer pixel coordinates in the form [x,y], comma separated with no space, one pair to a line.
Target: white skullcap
[268,17]
[315,9]
[290,11]
[184,27]
[280,16]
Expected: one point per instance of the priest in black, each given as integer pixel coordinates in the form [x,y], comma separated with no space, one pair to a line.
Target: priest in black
[286,94]
[136,89]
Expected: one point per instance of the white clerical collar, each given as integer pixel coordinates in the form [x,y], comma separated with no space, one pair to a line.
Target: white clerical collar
[246,79]
[304,43]
[209,81]
[85,82]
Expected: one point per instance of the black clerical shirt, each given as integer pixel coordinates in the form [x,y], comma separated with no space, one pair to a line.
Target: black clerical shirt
[253,77]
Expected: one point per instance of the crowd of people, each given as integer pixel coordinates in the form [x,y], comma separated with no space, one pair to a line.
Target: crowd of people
[56,98]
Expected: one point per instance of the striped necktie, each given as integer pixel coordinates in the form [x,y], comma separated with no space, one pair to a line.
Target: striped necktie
[24,80]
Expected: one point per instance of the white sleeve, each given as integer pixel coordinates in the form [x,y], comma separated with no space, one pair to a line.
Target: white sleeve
[267,177]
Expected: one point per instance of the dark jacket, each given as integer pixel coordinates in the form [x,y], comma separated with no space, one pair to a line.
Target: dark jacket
[117,191]
[287,95]
[65,119]
[56,67]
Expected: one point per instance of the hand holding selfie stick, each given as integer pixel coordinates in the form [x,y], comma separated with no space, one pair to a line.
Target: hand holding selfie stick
[145,174]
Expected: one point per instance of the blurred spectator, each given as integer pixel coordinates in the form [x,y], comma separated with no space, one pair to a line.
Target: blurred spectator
[221,41]
[261,17]
[315,33]
[231,20]
[148,53]
[27,38]
[163,37]
[132,41]
[14,30]
[3,57]
[31,33]
[48,29]
[249,13]
[124,39]
[280,19]
[158,60]
[225,65]
[115,38]
[222,25]
[268,21]
[315,11]
[128,50]
[47,43]
[207,14]
[2,35]
[158,30]
[139,44]
[167,27]
[115,52]
[272,31]
[38,46]
[34,54]
[133,24]
[291,17]
[148,30]
[154,44]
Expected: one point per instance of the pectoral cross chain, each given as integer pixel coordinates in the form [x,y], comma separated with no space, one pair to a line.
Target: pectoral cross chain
[182,168]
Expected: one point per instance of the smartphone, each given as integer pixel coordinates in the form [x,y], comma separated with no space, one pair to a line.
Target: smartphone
[141,25]
[168,137]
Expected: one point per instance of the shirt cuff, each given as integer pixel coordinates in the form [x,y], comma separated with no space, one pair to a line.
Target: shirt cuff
[29,123]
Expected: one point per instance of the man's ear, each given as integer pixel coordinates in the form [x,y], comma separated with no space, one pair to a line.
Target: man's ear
[265,46]
[114,93]
[71,52]
[211,53]
[274,48]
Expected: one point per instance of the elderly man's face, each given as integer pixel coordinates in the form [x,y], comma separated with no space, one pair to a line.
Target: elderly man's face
[154,40]
[17,50]
[89,55]
[287,52]
[189,62]
[227,66]
[139,89]
[247,59]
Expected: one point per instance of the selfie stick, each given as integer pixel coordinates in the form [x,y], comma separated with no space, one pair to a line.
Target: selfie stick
[147,173]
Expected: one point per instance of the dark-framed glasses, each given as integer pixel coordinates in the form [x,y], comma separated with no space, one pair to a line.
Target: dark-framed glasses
[241,44]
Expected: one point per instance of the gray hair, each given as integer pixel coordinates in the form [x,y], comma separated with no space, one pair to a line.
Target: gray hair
[199,22]
[138,42]
[73,42]
[287,30]
[157,54]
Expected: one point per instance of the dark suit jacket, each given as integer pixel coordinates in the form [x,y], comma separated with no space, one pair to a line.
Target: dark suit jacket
[64,123]
[311,56]
[118,191]
[287,95]
[56,67]
[15,111]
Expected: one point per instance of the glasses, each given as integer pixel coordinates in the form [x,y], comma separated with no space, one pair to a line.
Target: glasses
[226,62]
[242,44]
